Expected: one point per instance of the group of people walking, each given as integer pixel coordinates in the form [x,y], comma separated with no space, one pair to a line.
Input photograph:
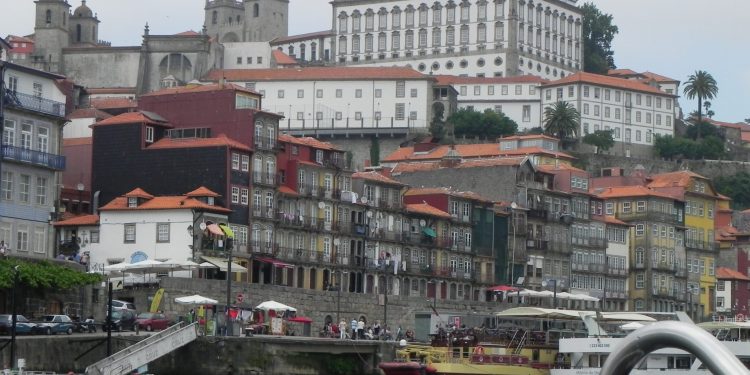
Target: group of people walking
[359,330]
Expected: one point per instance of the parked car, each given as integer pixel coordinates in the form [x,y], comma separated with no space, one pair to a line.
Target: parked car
[23,325]
[121,305]
[122,320]
[52,324]
[152,321]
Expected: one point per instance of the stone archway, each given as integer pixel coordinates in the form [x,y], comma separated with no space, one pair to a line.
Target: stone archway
[176,65]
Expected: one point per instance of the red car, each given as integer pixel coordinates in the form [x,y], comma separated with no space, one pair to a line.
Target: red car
[152,321]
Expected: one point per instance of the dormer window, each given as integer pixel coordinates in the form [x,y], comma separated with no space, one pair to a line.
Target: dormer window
[132,202]
[150,134]
[319,156]
[210,201]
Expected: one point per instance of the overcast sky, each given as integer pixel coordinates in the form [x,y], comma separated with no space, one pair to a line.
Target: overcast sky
[670,37]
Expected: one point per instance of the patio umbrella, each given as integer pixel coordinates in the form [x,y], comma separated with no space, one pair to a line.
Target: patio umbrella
[527,293]
[187,265]
[152,266]
[195,299]
[502,288]
[117,268]
[566,295]
[273,305]
[207,265]
[585,297]
[632,326]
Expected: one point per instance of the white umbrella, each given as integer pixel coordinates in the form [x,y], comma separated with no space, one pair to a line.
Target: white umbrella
[150,265]
[545,293]
[195,300]
[119,267]
[525,293]
[564,295]
[207,265]
[585,297]
[273,305]
[632,326]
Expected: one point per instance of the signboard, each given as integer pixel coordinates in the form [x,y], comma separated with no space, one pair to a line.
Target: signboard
[240,297]
[117,284]
[456,320]
[277,326]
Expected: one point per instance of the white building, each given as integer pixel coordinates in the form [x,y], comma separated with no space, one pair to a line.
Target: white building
[516,97]
[32,161]
[633,110]
[247,55]
[340,99]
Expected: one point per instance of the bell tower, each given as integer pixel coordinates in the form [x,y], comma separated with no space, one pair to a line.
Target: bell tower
[266,19]
[51,34]
[83,27]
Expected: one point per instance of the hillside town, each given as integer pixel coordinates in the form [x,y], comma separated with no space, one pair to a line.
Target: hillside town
[339,162]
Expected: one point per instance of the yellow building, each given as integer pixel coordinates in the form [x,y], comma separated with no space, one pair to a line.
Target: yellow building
[701,204]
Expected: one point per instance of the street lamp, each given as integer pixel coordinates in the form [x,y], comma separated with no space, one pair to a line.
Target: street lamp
[14,318]
[512,272]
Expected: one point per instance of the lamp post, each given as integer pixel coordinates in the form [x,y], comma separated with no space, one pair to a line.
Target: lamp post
[228,245]
[554,288]
[14,318]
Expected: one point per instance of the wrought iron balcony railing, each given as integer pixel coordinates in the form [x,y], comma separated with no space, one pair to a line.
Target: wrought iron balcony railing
[34,103]
[38,158]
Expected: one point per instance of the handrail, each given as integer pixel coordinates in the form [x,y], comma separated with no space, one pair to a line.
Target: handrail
[680,335]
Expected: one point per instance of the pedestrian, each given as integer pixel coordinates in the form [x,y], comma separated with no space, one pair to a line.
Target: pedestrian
[3,248]
[354,329]
[361,329]
[342,329]
[376,328]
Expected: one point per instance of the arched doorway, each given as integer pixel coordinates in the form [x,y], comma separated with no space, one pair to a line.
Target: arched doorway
[300,277]
[313,278]
[370,284]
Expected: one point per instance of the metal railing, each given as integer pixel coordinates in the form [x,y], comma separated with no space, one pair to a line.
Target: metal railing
[265,178]
[34,103]
[43,159]
[265,143]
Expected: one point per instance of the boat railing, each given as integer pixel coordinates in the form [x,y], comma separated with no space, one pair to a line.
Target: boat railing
[521,343]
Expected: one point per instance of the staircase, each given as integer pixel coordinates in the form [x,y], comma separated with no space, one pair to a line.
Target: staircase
[145,351]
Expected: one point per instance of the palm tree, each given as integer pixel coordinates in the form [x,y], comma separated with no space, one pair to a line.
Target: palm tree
[561,120]
[702,85]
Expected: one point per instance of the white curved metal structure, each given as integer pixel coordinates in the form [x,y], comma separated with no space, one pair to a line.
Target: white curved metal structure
[637,345]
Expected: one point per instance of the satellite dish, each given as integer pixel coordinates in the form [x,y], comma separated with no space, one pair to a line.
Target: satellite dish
[202,226]
[369,214]
[422,223]
[321,205]
[364,200]
[336,241]
[544,283]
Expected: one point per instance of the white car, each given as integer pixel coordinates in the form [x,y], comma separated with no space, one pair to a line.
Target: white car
[121,305]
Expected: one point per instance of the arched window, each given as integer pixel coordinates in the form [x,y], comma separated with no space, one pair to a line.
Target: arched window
[78,32]
[291,50]
[214,18]
[256,10]
[48,17]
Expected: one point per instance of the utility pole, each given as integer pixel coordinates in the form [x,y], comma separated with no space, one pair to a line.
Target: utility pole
[228,247]
[109,318]
[14,319]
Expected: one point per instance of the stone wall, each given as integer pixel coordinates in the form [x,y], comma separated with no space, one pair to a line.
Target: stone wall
[709,168]
[360,147]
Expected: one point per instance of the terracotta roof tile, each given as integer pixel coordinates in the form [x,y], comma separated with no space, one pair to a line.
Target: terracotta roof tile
[609,220]
[673,179]
[287,190]
[620,72]
[188,33]
[77,221]
[630,191]
[295,38]
[453,80]
[162,203]
[219,141]
[69,142]
[113,103]
[193,88]
[426,209]
[282,58]
[658,77]
[89,113]
[444,191]
[377,177]
[529,136]
[111,90]
[481,150]
[725,273]
[307,141]
[202,192]
[470,163]
[317,73]
[20,39]
[597,79]
[138,193]
[131,118]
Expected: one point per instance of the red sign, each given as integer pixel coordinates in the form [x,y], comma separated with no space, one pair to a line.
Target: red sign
[240,298]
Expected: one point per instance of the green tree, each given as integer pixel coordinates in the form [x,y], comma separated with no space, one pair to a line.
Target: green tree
[703,86]
[702,129]
[602,139]
[598,32]
[488,124]
[374,151]
[43,275]
[561,120]
[437,126]
[737,187]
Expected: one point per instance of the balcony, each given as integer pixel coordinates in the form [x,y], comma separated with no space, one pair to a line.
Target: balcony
[265,143]
[702,245]
[663,266]
[589,267]
[591,242]
[303,222]
[639,266]
[34,103]
[453,273]
[306,256]
[37,158]
[260,247]
[351,228]
[663,292]
[535,213]
[648,216]
[262,178]
[535,244]
[263,213]
[318,191]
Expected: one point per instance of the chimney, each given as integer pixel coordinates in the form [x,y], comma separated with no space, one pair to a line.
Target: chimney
[451,159]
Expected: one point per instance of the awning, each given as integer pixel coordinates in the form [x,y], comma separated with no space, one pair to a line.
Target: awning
[222,264]
[227,230]
[301,319]
[502,288]
[429,232]
[215,229]
[275,262]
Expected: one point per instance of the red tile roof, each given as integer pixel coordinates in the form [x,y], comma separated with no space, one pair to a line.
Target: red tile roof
[426,209]
[77,221]
[77,141]
[560,167]
[131,118]
[282,58]
[287,190]
[138,193]
[89,113]
[733,125]
[377,177]
[307,141]
[218,141]
[295,38]
[601,80]
[621,72]
[162,203]
[20,39]
[453,80]
[444,191]
[188,33]
[530,136]
[193,88]
[111,90]
[658,77]
[609,220]
[673,179]
[724,273]
[470,163]
[332,73]
[113,103]
[482,150]
[202,192]
[630,191]
[746,137]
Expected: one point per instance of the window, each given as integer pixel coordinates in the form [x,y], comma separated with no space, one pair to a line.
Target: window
[245,165]
[640,283]
[22,238]
[236,160]
[358,116]
[7,186]
[626,207]
[9,135]
[280,94]
[129,233]
[609,208]
[235,195]
[400,111]
[162,232]
[244,197]
[526,113]
[300,94]
[640,230]
[42,139]
[640,206]
[358,93]
[26,130]
[37,90]
[41,191]
[24,186]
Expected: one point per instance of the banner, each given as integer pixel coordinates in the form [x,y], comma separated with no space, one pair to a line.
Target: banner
[156,301]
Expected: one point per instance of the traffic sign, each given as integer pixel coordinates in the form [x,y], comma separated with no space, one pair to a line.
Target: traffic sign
[117,285]
[240,297]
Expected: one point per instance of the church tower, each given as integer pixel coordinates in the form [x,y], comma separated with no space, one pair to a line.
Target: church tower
[266,20]
[83,27]
[225,20]
[50,34]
